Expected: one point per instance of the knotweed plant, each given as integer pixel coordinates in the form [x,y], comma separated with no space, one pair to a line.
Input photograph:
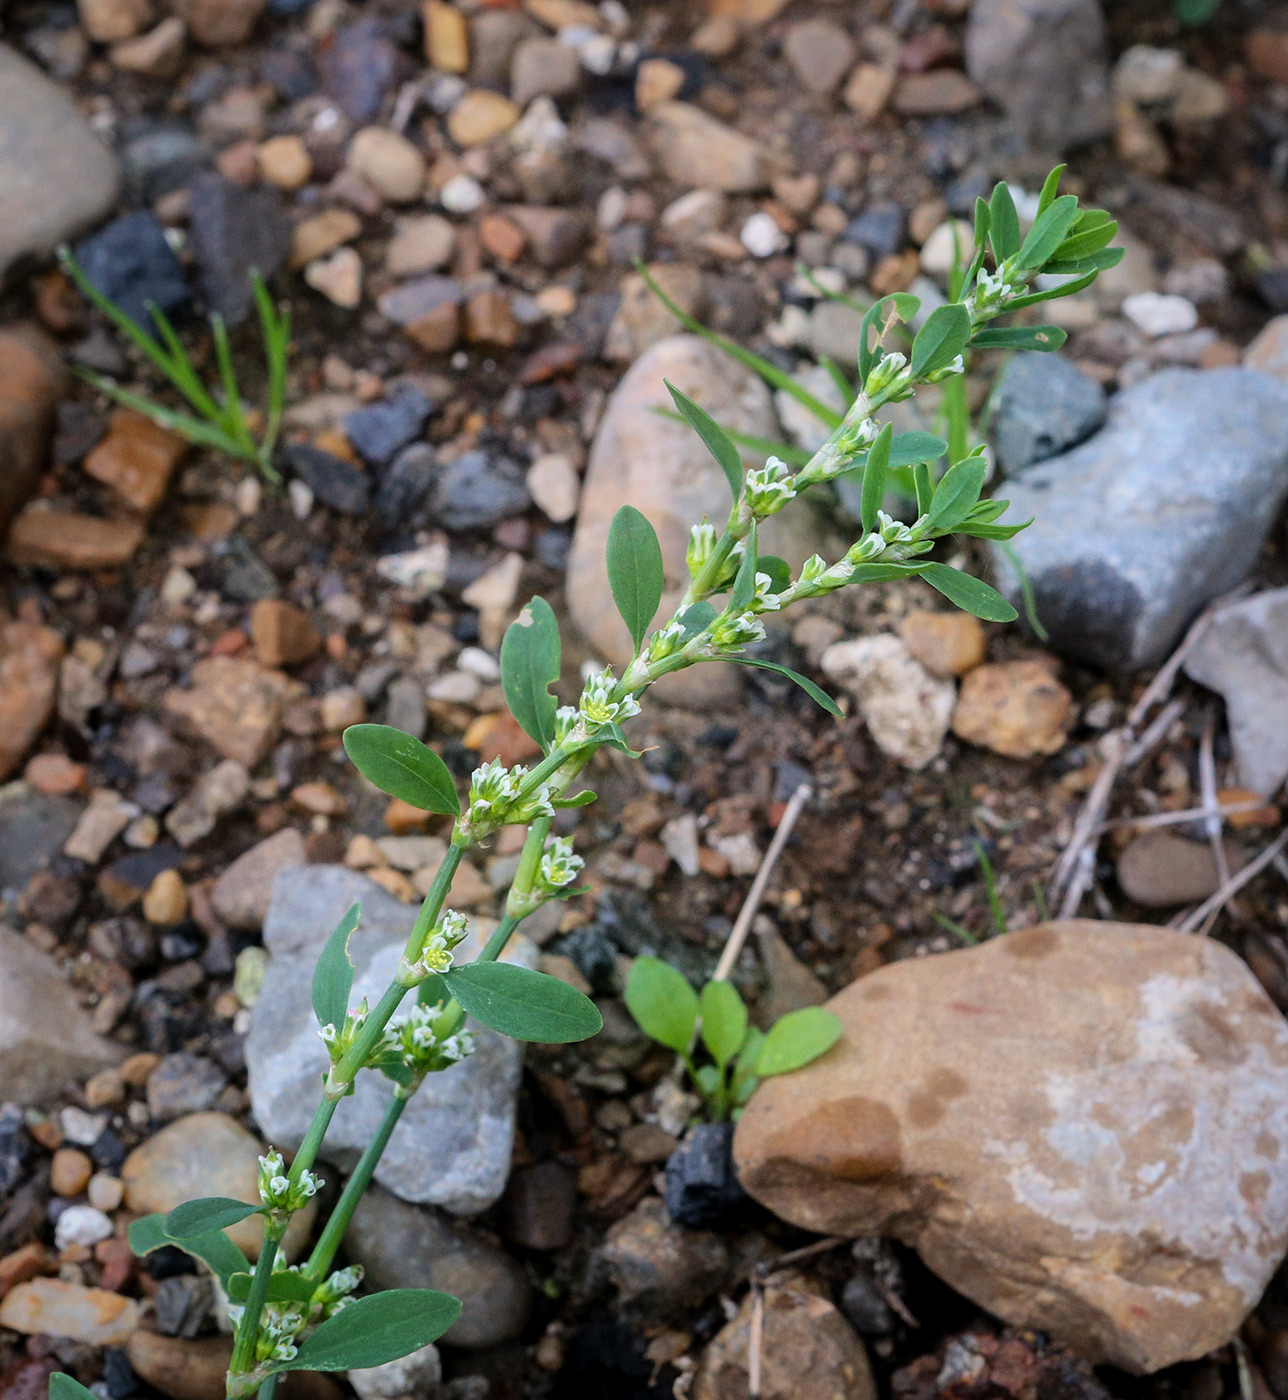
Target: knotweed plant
[306,1315]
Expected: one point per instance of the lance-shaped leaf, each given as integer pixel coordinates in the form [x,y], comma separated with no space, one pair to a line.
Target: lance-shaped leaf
[195,1218]
[531,658]
[403,767]
[957,493]
[796,1039]
[285,1286]
[333,975]
[904,306]
[940,340]
[744,583]
[1003,223]
[63,1387]
[635,572]
[523,1004]
[724,1021]
[987,530]
[1019,338]
[1048,232]
[664,1005]
[215,1249]
[713,435]
[970,594]
[874,478]
[1050,189]
[819,697]
[375,1330]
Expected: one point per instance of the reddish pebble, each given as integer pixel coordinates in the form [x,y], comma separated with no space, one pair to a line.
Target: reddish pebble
[55,774]
[229,643]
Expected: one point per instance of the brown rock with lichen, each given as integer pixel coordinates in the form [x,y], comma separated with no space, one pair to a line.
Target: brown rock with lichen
[233,704]
[29,657]
[1082,1126]
[1016,708]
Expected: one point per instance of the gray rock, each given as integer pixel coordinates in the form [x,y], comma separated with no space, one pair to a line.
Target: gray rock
[403,1246]
[242,893]
[183,1084]
[56,177]
[45,1039]
[1164,509]
[1046,63]
[663,1271]
[413,1374]
[33,827]
[1243,656]
[452,1147]
[478,489]
[1043,406]
[236,231]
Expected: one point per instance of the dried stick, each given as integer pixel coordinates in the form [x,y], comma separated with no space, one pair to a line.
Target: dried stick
[1233,885]
[1153,819]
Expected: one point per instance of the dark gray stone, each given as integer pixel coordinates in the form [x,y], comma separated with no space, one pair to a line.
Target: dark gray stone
[243,575]
[478,489]
[452,1147]
[403,1246]
[880,228]
[380,429]
[702,1189]
[865,1306]
[1044,405]
[161,157]
[236,231]
[33,827]
[404,486]
[182,1084]
[131,263]
[358,67]
[1164,509]
[335,482]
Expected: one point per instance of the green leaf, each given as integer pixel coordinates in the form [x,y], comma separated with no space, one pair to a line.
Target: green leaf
[1065,289]
[333,975]
[531,658]
[713,435]
[819,697]
[874,478]
[665,1007]
[907,449]
[63,1387]
[884,573]
[1003,223]
[193,1218]
[635,569]
[905,307]
[957,492]
[615,738]
[779,571]
[374,1330]
[1048,232]
[697,617]
[724,1021]
[970,594]
[582,799]
[524,1004]
[1019,338]
[707,1078]
[940,340]
[1087,238]
[214,1249]
[1050,188]
[743,1081]
[1195,11]
[403,767]
[986,530]
[285,1285]
[433,991]
[744,583]
[924,487]
[982,221]
[796,1039]
[1093,262]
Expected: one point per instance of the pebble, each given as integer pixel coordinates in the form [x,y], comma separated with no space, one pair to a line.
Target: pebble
[553,483]
[233,232]
[414,1374]
[906,709]
[641,320]
[868,89]
[342,486]
[69,1172]
[481,116]
[107,815]
[1266,51]
[1043,405]
[29,670]
[338,277]
[166,900]
[702,1190]
[1194,463]
[60,1309]
[65,540]
[762,237]
[663,1272]
[234,704]
[321,234]
[216,23]
[945,643]
[388,162]
[130,261]
[284,161]
[1160,313]
[657,80]
[1161,870]
[31,383]
[820,53]
[106,1192]
[107,21]
[942,91]
[241,895]
[539,1204]
[1241,655]
[1148,75]
[543,67]
[136,459]
[807,1349]
[478,489]
[218,792]
[182,1368]
[462,194]
[81,1225]
[453,1148]
[205,1154]
[1016,708]
[282,634]
[56,177]
[447,38]
[1134,1247]
[696,150]
[403,1246]
[948,243]
[419,245]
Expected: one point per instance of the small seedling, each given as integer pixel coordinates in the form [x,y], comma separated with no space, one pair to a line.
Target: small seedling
[669,1011]
[219,419]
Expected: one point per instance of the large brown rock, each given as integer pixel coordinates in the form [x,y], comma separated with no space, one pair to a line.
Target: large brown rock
[661,468]
[29,657]
[31,379]
[1081,1126]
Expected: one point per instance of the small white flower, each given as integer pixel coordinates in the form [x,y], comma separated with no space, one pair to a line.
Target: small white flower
[769,488]
[600,702]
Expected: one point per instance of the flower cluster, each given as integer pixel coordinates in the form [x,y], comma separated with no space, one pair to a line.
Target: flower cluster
[283,1323]
[702,544]
[497,798]
[428,1039]
[601,703]
[666,641]
[732,631]
[769,488]
[338,1039]
[559,866]
[276,1189]
[888,378]
[336,1291]
[993,290]
[436,951]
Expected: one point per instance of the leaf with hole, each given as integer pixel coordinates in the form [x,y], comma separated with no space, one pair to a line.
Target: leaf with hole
[665,1007]
[333,975]
[403,767]
[524,1004]
[531,658]
[819,697]
[635,570]
[375,1330]
[713,435]
[796,1039]
[724,1021]
[195,1218]
[970,594]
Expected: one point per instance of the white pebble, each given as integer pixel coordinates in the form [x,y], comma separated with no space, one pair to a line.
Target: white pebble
[462,194]
[301,494]
[479,663]
[81,1225]
[178,586]
[761,236]
[459,687]
[952,242]
[420,571]
[1160,313]
[597,54]
[105,1191]
[84,1129]
[249,494]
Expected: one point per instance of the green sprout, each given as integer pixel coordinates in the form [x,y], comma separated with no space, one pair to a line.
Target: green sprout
[219,419]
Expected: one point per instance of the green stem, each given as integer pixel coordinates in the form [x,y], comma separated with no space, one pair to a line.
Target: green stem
[330,1239]
[435,897]
[312,1144]
[353,1059]
[495,945]
[248,1328]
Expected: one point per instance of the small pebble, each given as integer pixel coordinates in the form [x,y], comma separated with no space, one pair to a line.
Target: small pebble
[1160,313]
[69,1172]
[82,1225]
[762,237]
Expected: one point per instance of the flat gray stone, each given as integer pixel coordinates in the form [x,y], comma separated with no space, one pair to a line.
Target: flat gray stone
[1044,405]
[1164,509]
[452,1147]
[1243,656]
[56,177]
